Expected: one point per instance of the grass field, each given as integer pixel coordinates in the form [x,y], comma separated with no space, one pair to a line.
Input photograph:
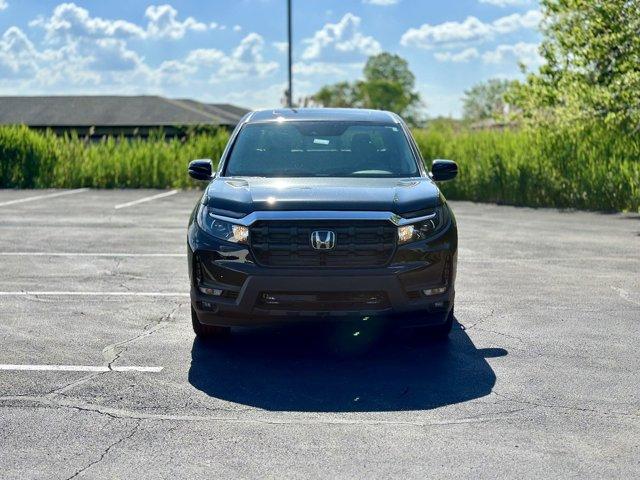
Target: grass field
[592,167]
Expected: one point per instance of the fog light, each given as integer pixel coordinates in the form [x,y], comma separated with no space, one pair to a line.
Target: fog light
[211,307]
[210,291]
[434,291]
[269,299]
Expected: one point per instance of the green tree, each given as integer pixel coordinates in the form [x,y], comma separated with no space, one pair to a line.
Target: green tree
[389,67]
[591,50]
[486,100]
[340,94]
[388,85]
[386,95]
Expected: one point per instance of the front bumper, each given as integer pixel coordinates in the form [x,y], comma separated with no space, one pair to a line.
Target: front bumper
[256,295]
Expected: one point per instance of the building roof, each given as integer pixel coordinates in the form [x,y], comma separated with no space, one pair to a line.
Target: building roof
[226,112]
[326,114]
[114,111]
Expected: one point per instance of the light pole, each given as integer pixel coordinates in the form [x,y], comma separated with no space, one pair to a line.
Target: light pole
[290,90]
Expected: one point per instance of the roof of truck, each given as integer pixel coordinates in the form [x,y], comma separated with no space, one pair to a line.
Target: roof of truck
[322,114]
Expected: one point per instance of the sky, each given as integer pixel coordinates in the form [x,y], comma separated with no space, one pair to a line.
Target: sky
[235,50]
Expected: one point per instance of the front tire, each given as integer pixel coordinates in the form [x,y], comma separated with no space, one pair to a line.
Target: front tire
[207,332]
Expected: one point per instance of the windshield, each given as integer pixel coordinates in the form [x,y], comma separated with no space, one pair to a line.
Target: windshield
[321,149]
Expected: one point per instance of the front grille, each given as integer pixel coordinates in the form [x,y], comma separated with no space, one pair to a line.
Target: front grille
[359,243]
[324,301]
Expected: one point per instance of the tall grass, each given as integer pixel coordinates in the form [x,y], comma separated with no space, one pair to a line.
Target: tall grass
[591,167]
[30,159]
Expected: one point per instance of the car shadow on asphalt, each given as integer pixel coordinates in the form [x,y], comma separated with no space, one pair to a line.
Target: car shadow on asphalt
[343,368]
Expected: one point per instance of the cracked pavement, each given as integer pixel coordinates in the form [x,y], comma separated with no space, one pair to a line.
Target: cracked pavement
[541,377]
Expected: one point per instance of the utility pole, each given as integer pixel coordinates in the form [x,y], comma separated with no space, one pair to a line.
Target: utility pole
[290,90]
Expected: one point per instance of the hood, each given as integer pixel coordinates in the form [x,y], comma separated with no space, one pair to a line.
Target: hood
[239,196]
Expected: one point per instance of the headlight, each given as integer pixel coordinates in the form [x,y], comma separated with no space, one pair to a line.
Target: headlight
[228,231]
[424,229]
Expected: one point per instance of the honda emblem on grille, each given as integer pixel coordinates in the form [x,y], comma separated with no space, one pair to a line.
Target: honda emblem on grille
[323,239]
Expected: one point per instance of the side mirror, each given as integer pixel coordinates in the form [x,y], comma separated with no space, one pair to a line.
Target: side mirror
[443,170]
[201,169]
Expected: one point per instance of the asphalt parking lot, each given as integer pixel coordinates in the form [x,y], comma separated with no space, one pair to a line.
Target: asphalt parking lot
[100,376]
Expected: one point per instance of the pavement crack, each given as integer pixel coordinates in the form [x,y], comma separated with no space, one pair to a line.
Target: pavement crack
[107,450]
[564,407]
[118,262]
[114,351]
[75,383]
[519,339]
[122,414]
[486,317]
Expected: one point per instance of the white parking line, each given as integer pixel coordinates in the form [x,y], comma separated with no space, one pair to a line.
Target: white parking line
[89,254]
[40,197]
[79,368]
[24,293]
[146,199]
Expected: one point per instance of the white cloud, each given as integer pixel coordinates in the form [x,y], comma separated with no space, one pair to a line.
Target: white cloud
[205,56]
[18,56]
[506,3]
[270,97]
[81,62]
[69,74]
[237,28]
[342,39]
[84,50]
[280,46]
[80,52]
[3,4]
[383,3]
[325,68]
[526,53]
[450,34]
[22,62]
[246,59]
[173,71]
[163,22]
[512,23]
[68,20]
[461,57]
[112,54]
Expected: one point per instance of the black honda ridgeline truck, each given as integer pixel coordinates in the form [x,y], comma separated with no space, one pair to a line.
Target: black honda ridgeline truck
[325,214]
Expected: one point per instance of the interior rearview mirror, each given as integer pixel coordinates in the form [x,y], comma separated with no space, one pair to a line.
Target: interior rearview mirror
[443,170]
[201,169]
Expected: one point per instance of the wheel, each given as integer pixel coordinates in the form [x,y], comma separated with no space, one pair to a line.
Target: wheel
[207,331]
